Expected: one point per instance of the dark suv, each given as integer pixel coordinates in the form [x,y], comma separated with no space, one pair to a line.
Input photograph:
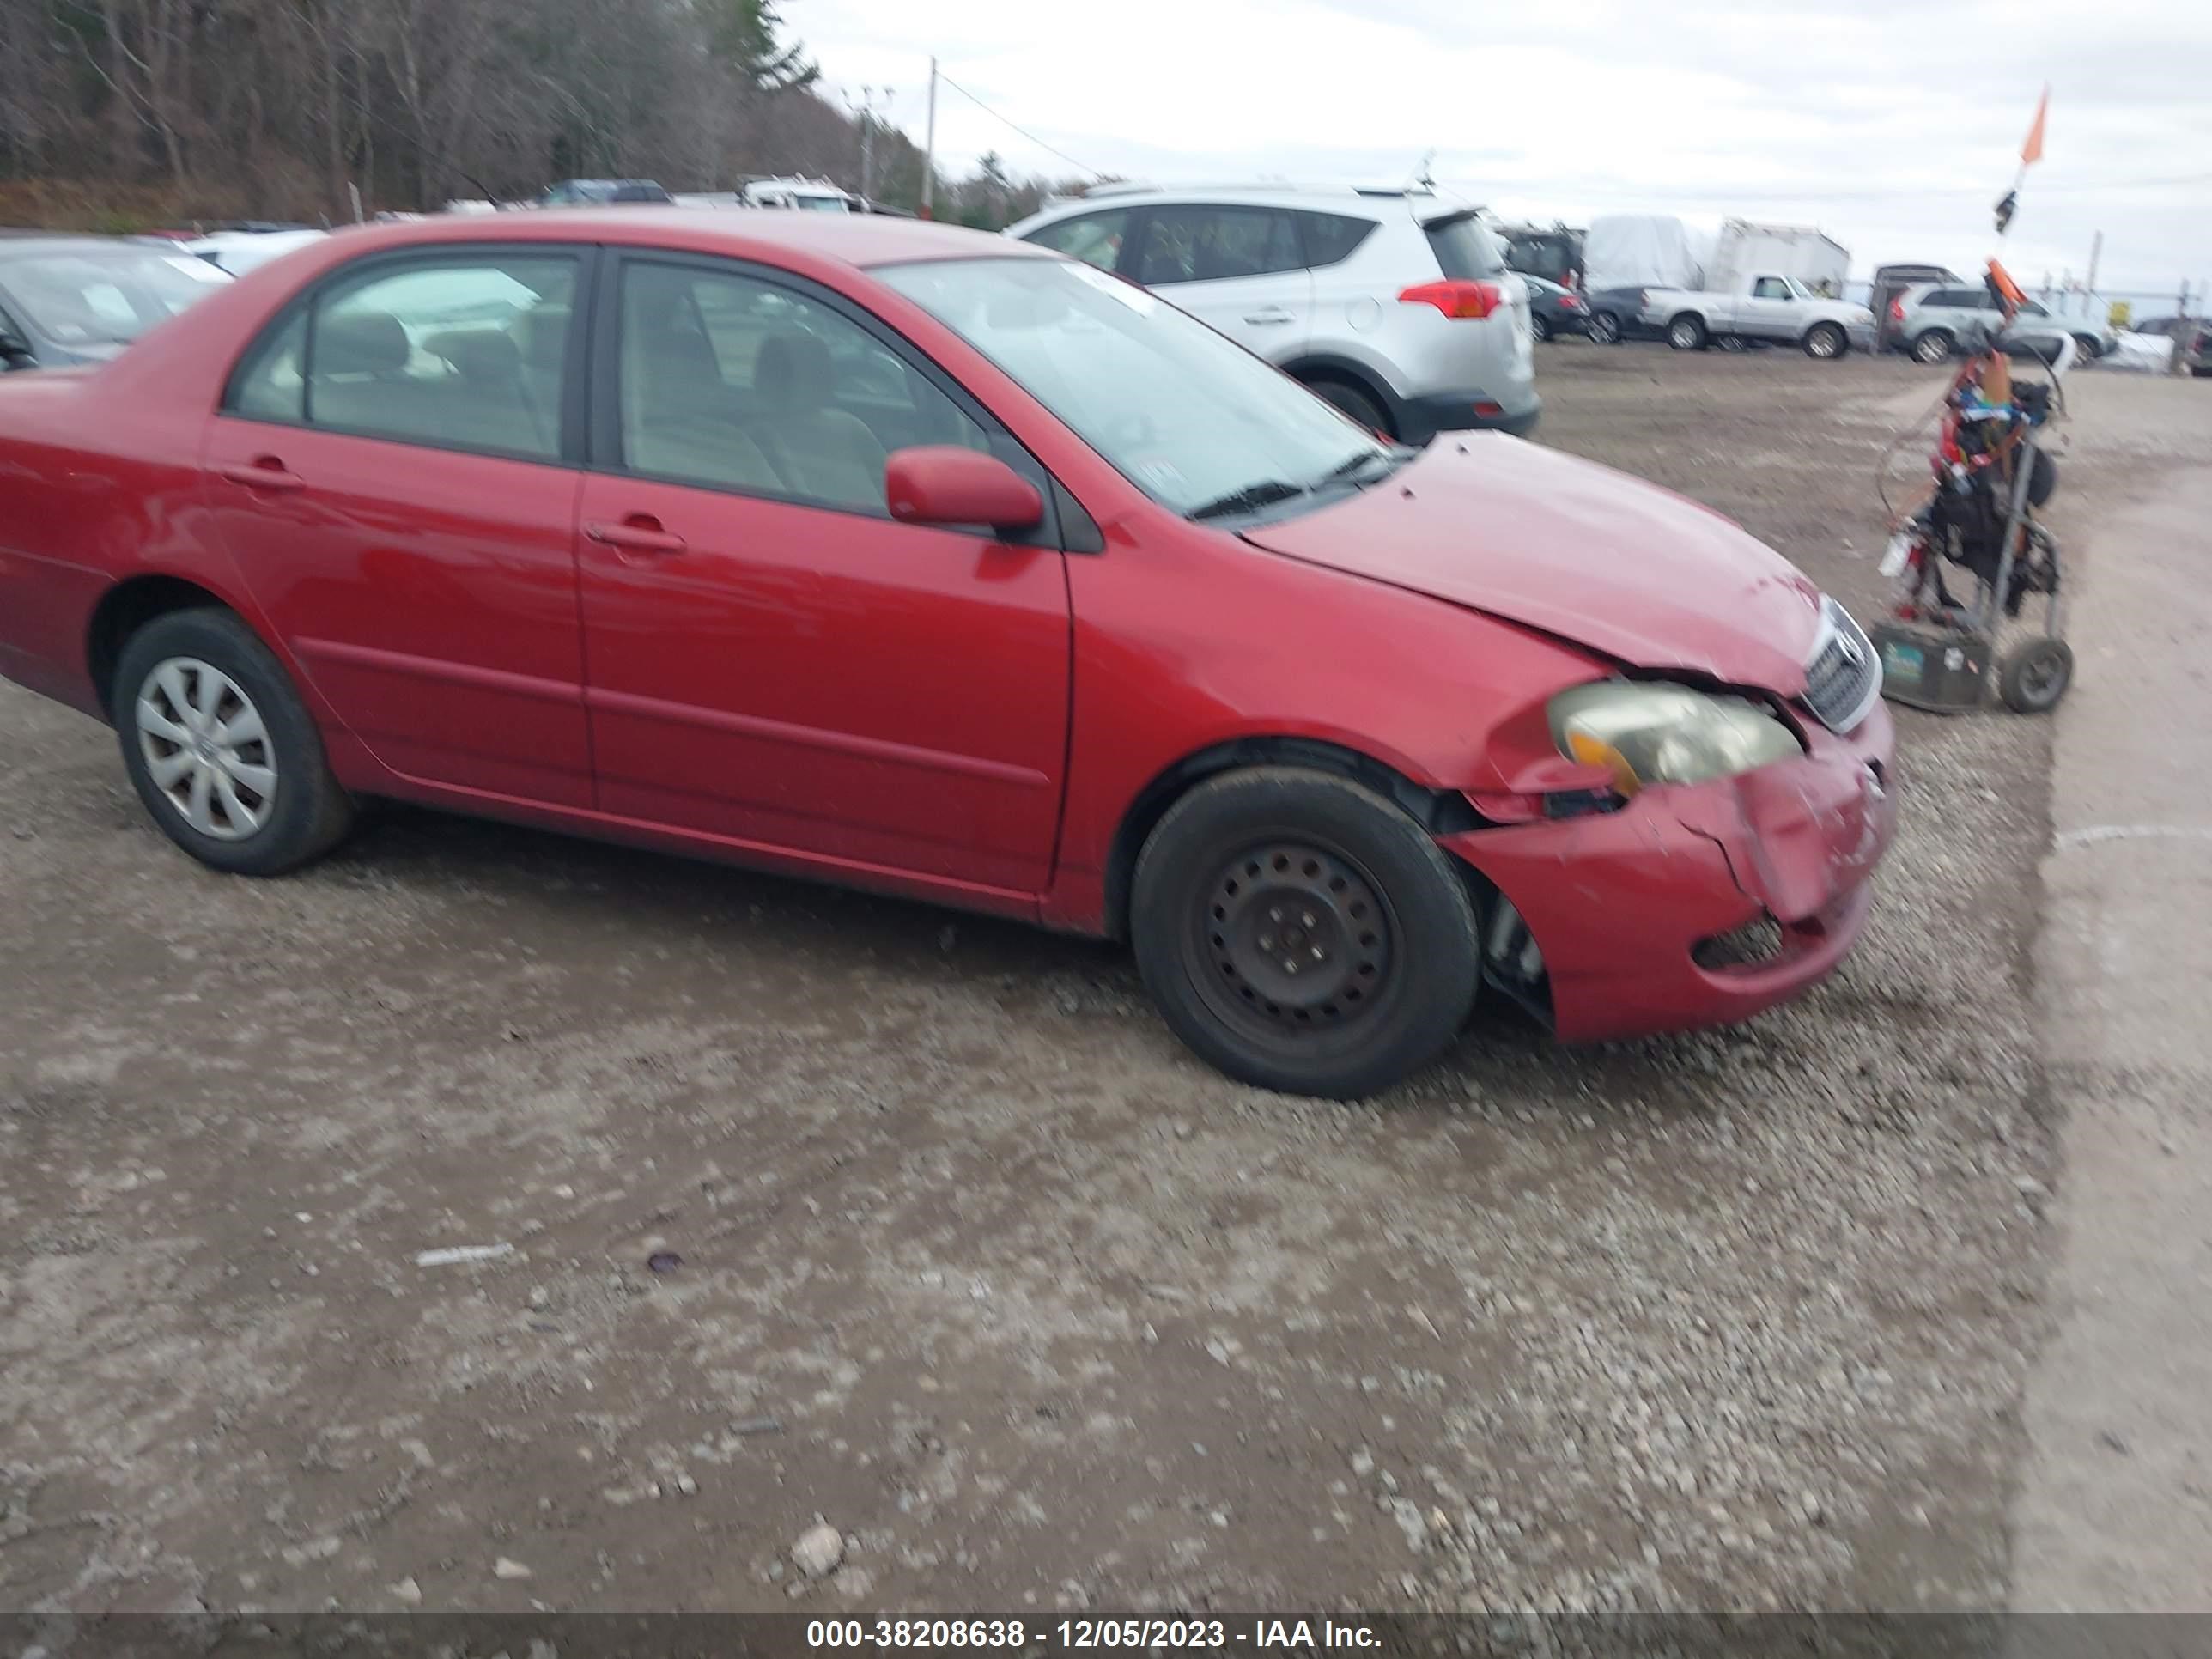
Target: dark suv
[592,192]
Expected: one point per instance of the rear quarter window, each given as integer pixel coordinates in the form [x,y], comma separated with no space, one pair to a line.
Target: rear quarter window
[1464,249]
[1330,238]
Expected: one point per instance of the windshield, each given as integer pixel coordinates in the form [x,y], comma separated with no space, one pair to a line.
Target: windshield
[105,296]
[1194,420]
[1799,289]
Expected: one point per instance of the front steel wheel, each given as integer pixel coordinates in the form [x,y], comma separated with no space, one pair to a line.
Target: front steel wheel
[1301,933]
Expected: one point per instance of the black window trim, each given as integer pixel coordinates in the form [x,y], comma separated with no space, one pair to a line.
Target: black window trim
[569,453]
[604,446]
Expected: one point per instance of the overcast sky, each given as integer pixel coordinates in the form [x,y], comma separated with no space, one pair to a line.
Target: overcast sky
[1893,125]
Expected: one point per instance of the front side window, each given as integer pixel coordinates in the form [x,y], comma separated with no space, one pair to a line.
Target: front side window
[1093,238]
[1194,421]
[457,354]
[739,383]
[1204,245]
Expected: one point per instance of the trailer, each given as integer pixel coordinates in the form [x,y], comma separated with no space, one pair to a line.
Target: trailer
[1810,255]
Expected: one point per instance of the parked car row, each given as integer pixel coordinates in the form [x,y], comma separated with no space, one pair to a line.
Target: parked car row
[69,300]
[898,554]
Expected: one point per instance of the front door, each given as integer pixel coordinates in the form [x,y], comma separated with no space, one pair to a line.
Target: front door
[388,472]
[1768,311]
[1239,269]
[774,660]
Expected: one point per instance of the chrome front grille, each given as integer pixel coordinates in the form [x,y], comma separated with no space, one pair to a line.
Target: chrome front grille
[1843,677]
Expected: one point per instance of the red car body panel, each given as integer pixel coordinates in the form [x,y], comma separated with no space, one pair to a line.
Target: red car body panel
[1578,550]
[938,713]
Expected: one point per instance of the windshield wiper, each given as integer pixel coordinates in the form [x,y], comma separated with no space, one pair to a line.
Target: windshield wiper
[1265,494]
[1389,461]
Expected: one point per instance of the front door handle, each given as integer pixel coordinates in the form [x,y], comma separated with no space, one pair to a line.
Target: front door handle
[641,533]
[1272,314]
[263,472]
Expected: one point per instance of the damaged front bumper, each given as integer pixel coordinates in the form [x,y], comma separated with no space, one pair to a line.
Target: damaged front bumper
[1641,915]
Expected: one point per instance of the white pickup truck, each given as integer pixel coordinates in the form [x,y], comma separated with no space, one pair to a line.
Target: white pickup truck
[1761,305]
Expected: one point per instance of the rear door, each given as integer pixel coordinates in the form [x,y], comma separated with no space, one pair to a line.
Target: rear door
[1240,268]
[395,472]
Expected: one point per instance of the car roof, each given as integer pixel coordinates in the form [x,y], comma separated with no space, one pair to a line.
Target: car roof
[1374,202]
[24,243]
[854,239]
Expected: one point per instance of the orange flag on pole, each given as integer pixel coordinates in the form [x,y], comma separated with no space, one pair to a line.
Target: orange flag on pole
[2032,151]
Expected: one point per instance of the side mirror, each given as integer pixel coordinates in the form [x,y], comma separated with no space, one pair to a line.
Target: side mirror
[942,484]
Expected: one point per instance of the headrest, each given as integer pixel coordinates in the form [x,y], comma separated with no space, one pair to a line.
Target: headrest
[478,354]
[791,375]
[360,343]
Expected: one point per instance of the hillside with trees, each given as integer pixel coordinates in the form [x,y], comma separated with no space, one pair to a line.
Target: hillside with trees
[118,111]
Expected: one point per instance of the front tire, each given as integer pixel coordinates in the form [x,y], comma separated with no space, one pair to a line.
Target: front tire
[2090,346]
[1825,341]
[1605,328]
[1300,933]
[1351,401]
[1687,333]
[221,749]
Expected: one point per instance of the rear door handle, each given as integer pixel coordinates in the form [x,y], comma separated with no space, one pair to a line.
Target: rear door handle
[264,472]
[641,533]
[1272,314]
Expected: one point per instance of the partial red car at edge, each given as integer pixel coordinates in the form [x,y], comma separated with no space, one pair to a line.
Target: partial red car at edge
[912,558]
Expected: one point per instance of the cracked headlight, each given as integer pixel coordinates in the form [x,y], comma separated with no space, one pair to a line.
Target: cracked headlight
[1646,732]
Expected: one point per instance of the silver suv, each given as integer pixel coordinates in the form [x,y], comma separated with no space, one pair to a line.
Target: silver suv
[1935,321]
[1394,304]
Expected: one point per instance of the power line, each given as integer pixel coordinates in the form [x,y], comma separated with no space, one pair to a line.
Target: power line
[1024,132]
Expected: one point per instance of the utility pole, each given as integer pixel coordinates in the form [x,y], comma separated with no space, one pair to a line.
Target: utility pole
[929,147]
[864,113]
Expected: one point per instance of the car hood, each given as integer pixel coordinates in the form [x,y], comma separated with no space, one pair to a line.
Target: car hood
[1578,550]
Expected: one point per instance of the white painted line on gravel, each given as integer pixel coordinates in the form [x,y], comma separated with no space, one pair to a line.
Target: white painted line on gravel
[2071,839]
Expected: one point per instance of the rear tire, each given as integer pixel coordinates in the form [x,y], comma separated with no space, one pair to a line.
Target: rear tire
[1688,333]
[1300,933]
[221,749]
[1605,328]
[1538,327]
[1825,341]
[1350,400]
[1933,347]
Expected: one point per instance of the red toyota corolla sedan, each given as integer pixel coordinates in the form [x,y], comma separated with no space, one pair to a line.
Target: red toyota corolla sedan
[908,557]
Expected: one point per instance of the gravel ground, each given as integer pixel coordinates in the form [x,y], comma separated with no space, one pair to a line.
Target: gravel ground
[830,1209]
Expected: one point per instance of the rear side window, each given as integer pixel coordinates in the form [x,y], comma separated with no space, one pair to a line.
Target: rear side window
[1209,244]
[1331,237]
[1093,238]
[1466,251]
[456,354]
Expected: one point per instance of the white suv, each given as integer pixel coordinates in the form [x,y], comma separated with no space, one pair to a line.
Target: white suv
[1394,304]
